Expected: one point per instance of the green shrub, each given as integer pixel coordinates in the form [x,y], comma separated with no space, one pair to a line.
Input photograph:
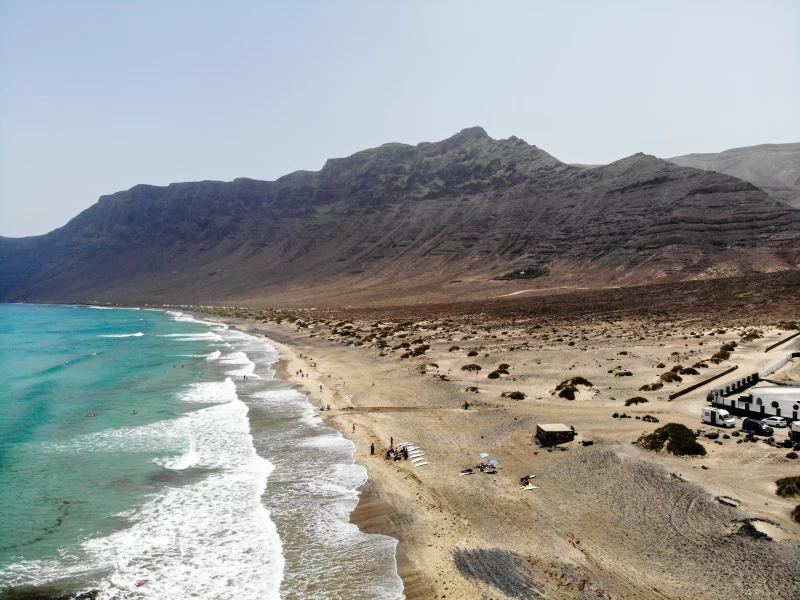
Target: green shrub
[635,400]
[788,486]
[676,438]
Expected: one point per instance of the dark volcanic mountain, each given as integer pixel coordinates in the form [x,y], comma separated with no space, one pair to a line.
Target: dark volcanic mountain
[401,222]
[774,168]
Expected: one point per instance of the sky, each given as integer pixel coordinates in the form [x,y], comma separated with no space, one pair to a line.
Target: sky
[98,96]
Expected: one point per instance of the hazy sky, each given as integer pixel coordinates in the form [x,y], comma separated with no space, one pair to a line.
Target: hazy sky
[98,96]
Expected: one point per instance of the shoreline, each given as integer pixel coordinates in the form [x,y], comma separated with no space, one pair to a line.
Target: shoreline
[374,513]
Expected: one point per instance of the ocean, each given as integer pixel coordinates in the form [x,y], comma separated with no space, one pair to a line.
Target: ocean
[149,454]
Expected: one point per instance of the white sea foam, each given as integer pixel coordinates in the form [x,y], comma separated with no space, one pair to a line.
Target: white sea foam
[194,337]
[239,359]
[211,539]
[213,355]
[122,335]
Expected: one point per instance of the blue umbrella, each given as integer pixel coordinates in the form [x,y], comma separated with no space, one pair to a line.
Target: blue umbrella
[494,463]
[483,455]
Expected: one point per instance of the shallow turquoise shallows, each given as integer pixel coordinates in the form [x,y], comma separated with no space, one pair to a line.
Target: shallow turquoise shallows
[148,454]
[57,366]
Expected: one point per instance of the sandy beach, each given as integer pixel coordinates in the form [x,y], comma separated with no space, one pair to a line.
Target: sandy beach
[608,520]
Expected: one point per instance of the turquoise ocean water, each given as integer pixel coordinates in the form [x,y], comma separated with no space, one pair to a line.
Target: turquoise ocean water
[216,486]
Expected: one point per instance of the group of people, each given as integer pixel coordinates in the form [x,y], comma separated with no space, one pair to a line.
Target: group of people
[399,454]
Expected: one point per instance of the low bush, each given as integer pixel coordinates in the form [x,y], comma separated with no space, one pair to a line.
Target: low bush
[660,366]
[454,348]
[795,514]
[504,366]
[581,381]
[677,439]
[472,353]
[568,392]
[651,387]
[788,486]
[623,374]
[472,389]
[420,350]
[670,377]
[700,365]
[751,335]
[494,375]
[720,356]
[635,400]
[728,347]
[690,371]
[513,395]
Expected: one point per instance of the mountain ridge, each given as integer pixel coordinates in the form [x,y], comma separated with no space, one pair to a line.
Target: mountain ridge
[774,168]
[432,220]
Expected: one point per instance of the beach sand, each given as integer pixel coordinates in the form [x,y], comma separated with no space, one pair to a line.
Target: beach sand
[609,520]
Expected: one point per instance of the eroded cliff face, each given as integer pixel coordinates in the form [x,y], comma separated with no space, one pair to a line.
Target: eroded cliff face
[402,221]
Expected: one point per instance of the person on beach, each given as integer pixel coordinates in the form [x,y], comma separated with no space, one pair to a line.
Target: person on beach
[372,449]
[391,442]
[354,427]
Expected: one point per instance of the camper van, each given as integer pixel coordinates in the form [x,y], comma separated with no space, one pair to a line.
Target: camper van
[794,432]
[717,416]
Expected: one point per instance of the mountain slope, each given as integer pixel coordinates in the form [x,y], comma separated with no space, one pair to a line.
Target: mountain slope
[406,222]
[774,168]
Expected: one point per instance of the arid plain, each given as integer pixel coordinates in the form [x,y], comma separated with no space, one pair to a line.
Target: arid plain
[609,520]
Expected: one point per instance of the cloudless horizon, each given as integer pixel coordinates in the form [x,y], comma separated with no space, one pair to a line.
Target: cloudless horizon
[96,97]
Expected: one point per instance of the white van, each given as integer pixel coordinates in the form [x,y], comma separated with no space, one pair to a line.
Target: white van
[717,416]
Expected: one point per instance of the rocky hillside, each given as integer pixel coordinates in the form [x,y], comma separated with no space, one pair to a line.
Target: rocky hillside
[403,223]
[774,168]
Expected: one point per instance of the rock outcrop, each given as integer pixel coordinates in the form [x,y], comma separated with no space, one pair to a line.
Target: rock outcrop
[401,222]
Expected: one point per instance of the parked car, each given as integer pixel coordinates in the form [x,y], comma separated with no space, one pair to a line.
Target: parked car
[757,427]
[774,421]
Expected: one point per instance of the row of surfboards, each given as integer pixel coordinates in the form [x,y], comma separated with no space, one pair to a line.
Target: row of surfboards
[415,454]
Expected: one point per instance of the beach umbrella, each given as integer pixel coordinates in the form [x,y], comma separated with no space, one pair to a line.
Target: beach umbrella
[483,455]
[494,463]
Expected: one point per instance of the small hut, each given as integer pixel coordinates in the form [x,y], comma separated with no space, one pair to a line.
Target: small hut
[554,434]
